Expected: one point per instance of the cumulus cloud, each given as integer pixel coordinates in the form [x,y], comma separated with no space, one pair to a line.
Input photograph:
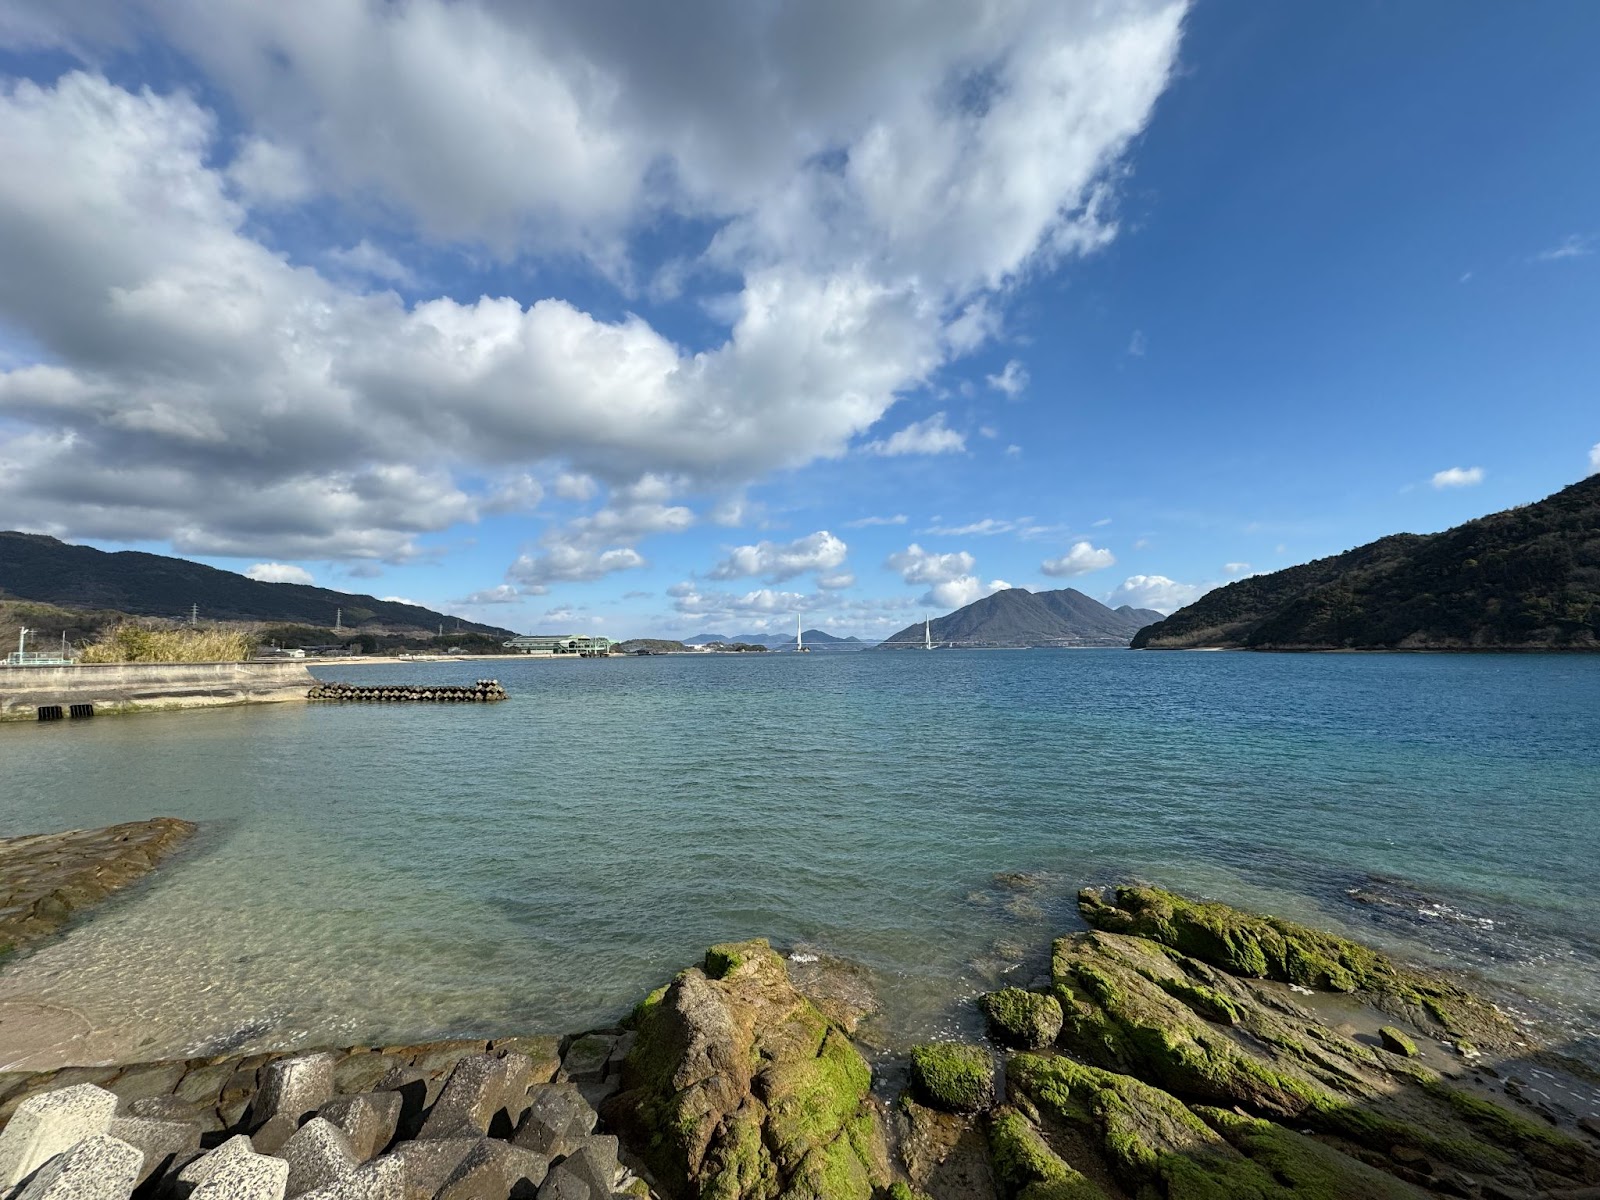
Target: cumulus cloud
[1594,459]
[872,205]
[1154,591]
[571,485]
[503,593]
[1012,380]
[949,576]
[1236,568]
[820,551]
[570,564]
[688,598]
[1455,477]
[1080,559]
[920,437]
[837,581]
[271,572]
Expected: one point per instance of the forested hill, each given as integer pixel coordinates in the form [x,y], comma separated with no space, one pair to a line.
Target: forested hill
[1524,579]
[1018,617]
[35,567]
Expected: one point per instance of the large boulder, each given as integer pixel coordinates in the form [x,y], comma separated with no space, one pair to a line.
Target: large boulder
[45,1125]
[738,1087]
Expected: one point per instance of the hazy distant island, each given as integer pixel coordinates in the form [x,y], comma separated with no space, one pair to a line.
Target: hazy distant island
[1017,617]
[1524,579]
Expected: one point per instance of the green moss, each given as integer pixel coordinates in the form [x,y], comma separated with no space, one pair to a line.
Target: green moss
[899,1190]
[1501,1127]
[741,1165]
[830,1172]
[953,1077]
[1208,1002]
[1027,1168]
[723,960]
[1396,1042]
[810,1101]
[1023,1019]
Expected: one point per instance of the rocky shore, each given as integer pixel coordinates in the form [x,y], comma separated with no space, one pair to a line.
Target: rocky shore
[1177,1051]
[47,878]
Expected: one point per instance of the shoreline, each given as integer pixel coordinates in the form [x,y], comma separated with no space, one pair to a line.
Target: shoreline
[1261,1041]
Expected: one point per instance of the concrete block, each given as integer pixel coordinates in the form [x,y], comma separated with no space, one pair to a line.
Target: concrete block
[558,1118]
[585,1060]
[382,1179]
[416,1093]
[368,1119]
[245,1177]
[595,1162]
[428,1164]
[270,1137]
[294,1087]
[481,1088]
[318,1154]
[161,1142]
[98,1167]
[45,1125]
[495,1170]
[564,1183]
[196,1171]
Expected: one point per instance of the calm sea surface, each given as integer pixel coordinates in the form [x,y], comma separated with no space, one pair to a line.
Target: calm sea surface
[384,873]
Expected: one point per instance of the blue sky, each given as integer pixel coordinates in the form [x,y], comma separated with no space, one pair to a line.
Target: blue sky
[652,326]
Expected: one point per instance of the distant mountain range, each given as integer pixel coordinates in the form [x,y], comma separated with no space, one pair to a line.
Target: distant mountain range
[1524,579]
[35,567]
[778,641]
[1018,617]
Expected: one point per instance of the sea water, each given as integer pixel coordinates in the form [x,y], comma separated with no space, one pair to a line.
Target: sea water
[370,873]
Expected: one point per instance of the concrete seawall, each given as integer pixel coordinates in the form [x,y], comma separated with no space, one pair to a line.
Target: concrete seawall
[136,687]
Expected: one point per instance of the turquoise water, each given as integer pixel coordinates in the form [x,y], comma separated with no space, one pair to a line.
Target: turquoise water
[370,873]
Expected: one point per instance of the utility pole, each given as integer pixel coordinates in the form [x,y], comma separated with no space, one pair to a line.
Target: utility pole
[194,614]
[338,619]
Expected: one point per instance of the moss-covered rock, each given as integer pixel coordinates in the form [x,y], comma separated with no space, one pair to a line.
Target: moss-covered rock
[1396,1042]
[1027,1168]
[953,1077]
[1020,1019]
[1266,947]
[738,1088]
[1157,1146]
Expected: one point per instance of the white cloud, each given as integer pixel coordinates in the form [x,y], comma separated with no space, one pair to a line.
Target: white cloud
[1013,451]
[689,599]
[820,551]
[270,175]
[1012,380]
[570,564]
[271,572]
[1081,559]
[949,576]
[987,527]
[1594,459]
[366,259]
[920,437]
[399,600]
[1574,245]
[220,394]
[1154,591]
[503,593]
[1138,344]
[518,492]
[1455,477]
[863,522]
[1236,568]
[571,485]
[837,581]
[1102,522]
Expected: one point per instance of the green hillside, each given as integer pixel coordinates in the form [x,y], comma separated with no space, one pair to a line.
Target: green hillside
[47,571]
[1524,579]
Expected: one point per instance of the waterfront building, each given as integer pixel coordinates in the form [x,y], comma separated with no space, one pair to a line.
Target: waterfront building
[546,645]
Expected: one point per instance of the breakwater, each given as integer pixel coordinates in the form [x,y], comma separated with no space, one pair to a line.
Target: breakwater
[139,687]
[484,691]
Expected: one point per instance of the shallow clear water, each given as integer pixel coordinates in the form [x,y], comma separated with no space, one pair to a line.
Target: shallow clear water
[368,873]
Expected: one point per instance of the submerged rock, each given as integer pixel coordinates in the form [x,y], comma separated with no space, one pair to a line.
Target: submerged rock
[738,1086]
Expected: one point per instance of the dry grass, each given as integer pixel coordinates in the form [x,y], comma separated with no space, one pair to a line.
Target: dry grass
[132,642]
